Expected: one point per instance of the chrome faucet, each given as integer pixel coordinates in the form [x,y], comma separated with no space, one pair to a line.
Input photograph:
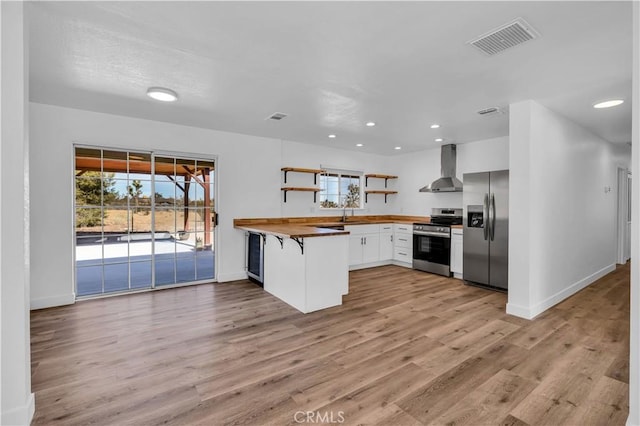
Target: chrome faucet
[344,211]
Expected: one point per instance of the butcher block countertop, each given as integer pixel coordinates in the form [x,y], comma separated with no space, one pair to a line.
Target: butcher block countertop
[303,227]
[287,230]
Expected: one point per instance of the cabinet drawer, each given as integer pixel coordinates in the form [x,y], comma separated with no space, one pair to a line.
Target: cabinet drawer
[402,255]
[402,240]
[403,227]
[362,229]
[456,231]
[386,227]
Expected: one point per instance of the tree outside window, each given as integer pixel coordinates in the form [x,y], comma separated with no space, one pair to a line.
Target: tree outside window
[338,190]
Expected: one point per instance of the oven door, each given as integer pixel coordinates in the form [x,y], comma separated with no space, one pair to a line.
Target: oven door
[432,252]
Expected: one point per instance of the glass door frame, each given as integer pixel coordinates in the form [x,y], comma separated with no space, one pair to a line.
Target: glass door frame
[153,154]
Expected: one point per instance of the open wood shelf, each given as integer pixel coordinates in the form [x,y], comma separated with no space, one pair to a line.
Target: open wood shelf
[378,176]
[295,188]
[366,194]
[315,172]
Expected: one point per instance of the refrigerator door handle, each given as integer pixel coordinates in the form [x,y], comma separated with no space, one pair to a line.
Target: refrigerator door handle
[492,215]
[485,216]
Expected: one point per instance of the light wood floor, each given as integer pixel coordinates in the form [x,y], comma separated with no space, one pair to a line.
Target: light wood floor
[406,348]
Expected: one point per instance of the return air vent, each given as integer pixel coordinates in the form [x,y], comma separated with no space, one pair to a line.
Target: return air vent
[277,116]
[504,37]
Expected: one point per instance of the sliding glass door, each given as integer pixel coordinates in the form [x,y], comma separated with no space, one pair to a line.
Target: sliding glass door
[184,220]
[142,220]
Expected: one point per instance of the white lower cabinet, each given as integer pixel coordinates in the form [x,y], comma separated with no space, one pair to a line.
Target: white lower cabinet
[386,245]
[403,244]
[371,248]
[386,241]
[374,245]
[456,252]
[355,249]
[364,244]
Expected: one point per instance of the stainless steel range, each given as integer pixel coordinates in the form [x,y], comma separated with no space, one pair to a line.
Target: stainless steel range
[432,241]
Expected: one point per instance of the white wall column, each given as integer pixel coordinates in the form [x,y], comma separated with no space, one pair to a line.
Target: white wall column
[17,401]
[559,171]
[519,209]
[634,355]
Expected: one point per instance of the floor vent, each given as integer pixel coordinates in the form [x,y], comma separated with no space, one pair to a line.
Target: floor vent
[505,37]
[277,116]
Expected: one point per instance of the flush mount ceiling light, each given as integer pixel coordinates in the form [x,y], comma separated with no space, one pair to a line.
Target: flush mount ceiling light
[162,94]
[358,144]
[371,124]
[435,126]
[439,139]
[398,147]
[608,104]
[332,136]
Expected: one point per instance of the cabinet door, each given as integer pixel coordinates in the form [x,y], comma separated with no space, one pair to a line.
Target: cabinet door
[355,249]
[371,252]
[386,245]
[456,254]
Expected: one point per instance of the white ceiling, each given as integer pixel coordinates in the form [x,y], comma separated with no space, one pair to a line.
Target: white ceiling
[332,66]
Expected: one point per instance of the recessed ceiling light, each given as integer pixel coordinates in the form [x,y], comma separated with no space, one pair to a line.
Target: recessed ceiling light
[332,136]
[371,124]
[435,126]
[439,139]
[398,147]
[608,104]
[162,94]
[358,144]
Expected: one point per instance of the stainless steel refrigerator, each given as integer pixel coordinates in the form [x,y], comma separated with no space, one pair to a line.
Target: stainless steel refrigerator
[485,238]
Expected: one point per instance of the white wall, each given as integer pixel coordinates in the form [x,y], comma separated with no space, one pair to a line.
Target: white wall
[562,221]
[248,177]
[418,169]
[16,400]
[295,154]
[634,355]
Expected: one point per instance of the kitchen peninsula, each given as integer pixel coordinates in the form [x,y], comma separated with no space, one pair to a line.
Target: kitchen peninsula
[307,260]
[304,266]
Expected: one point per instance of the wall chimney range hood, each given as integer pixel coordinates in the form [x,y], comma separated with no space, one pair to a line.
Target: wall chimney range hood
[448,182]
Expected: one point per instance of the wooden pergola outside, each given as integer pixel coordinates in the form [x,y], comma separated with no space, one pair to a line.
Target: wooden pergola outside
[141,163]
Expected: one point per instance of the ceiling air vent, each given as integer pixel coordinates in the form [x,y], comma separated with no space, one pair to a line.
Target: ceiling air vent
[277,116]
[505,37]
[490,111]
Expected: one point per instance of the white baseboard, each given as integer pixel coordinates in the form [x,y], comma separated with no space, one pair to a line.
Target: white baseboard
[50,302]
[531,312]
[20,415]
[369,265]
[519,311]
[403,264]
[232,276]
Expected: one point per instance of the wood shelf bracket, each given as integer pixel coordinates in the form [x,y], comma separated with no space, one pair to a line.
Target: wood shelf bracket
[385,177]
[385,193]
[314,190]
[298,170]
